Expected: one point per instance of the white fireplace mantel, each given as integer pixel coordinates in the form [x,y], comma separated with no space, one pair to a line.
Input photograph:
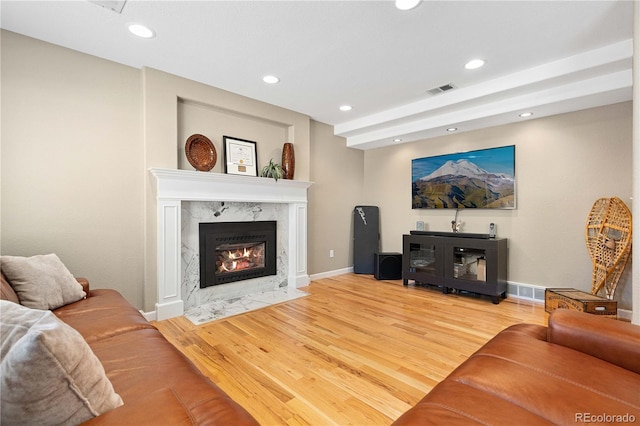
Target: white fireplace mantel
[174,186]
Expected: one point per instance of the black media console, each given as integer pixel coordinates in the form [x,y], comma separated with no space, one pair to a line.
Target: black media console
[467,262]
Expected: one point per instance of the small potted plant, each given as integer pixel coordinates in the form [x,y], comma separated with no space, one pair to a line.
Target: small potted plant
[273,170]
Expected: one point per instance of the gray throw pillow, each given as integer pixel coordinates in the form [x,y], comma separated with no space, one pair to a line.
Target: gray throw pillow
[41,282]
[48,373]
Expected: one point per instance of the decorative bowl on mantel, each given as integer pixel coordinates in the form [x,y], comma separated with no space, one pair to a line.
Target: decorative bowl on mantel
[200,152]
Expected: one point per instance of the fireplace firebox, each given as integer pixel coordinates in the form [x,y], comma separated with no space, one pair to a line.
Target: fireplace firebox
[235,251]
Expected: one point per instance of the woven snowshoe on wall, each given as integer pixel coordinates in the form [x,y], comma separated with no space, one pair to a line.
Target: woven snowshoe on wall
[608,235]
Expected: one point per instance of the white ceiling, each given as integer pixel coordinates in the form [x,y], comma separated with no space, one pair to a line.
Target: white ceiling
[547,57]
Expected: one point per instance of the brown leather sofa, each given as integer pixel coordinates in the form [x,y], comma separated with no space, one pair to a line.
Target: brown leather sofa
[158,385]
[582,368]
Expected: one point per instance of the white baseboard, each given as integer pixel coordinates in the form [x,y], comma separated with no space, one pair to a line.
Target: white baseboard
[169,309]
[330,274]
[624,314]
[149,316]
[300,281]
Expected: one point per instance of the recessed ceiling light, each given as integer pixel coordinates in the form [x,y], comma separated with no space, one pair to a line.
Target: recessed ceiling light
[270,79]
[407,4]
[452,129]
[141,31]
[474,64]
[346,108]
[397,140]
[525,114]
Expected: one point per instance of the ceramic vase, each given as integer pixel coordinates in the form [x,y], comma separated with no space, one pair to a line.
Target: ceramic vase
[288,161]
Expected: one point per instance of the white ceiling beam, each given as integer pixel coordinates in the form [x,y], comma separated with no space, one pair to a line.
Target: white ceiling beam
[605,61]
[619,82]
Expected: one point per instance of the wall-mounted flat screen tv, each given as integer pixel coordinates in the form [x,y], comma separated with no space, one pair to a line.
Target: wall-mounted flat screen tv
[482,179]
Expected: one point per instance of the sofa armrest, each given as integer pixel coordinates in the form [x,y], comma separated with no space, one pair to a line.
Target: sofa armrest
[85,285]
[611,340]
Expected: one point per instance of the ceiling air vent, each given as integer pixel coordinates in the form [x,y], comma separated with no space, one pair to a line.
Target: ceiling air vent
[441,89]
[114,5]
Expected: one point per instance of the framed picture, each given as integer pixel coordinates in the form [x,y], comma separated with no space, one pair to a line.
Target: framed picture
[240,156]
[483,179]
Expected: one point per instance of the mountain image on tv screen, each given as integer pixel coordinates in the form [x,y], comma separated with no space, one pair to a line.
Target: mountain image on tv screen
[476,179]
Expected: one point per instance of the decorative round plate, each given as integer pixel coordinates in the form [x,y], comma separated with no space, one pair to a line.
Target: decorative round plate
[200,152]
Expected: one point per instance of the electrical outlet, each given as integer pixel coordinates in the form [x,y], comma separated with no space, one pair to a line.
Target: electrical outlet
[330,253]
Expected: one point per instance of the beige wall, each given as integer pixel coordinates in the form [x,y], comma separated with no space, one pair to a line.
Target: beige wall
[563,164]
[72,164]
[338,176]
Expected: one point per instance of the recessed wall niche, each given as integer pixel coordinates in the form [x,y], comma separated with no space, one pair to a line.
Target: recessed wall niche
[214,123]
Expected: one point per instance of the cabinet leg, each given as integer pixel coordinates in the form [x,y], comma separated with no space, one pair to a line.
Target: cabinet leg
[445,290]
[405,282]
[495,300]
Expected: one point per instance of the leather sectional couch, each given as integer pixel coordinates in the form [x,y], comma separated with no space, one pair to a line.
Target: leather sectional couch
[582,368]
[157,384]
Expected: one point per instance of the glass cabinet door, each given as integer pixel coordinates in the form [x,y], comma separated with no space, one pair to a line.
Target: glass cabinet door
[422,258]
[469,264]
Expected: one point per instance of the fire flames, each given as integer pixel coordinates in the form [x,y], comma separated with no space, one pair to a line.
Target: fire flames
[233,259]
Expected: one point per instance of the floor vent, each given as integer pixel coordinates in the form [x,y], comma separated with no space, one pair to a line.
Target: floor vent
[526,291]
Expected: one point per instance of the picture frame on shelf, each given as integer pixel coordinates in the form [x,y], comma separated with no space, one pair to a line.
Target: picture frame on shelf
[240,156]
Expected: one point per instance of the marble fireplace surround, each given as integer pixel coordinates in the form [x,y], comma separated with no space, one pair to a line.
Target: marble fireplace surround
[175,186]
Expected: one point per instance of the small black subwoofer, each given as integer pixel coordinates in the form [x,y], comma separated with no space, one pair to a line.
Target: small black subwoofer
[387,266]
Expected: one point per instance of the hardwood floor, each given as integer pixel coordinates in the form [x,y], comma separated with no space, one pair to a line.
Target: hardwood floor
[356,351]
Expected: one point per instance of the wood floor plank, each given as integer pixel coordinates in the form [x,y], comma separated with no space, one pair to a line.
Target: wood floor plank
[355,351]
